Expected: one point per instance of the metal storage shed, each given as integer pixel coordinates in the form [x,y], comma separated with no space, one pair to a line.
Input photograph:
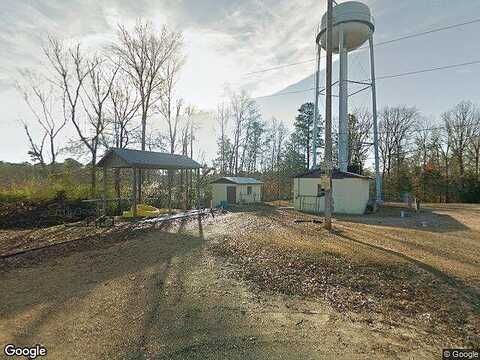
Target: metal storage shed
[138,160]
[236,189]
[350,192]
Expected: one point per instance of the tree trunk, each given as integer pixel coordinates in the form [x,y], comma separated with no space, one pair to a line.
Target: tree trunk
[140,171]
[462,170]
[52,149]
[93,175]
[182,192]
[447,181]
[477,165]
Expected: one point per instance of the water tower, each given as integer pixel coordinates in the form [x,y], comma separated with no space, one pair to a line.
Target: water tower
[352,27]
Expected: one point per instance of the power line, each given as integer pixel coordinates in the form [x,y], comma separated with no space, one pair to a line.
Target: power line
[428,70]
[384,77]
[443,127]
[405,37]
[281,66]
[287,93]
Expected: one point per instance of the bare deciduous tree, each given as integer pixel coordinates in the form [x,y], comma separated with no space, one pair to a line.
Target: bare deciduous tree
[36,148]
[123,108]
[241,105]
[395,125]
[475,148]
[222,115]
[96,93]
[143,53]
[70,71]
[359,128]
[459,124]
[40,100]
[124,105]
[187,137]
[169,107]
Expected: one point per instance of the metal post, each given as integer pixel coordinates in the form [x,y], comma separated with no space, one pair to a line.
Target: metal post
[315,112]
[378,179]
[170,175]
[198,193]
[104,196]
[139,175]
[343,103]
[134,193]
[328,118]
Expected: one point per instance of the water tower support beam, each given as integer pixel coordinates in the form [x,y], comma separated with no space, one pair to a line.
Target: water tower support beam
[315,110]
[343,104]
[378,179]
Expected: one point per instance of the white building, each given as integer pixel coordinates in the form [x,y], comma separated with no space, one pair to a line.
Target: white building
[350,192]
[236,190]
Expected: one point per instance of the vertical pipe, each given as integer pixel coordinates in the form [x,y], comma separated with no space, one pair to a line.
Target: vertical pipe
[134,193]
[378,179]
[315,111]
[104,195]
[139,175]
[171,174]
[328,117]
[343,103]
[198,194]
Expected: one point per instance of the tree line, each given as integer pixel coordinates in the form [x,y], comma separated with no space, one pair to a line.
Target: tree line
[436,160]
[117,97]
[110,98]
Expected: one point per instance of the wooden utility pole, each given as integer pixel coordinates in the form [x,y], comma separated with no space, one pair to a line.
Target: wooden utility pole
[328,119]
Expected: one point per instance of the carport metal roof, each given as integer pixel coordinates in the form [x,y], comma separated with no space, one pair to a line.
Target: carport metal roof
[237,180]
[139,159]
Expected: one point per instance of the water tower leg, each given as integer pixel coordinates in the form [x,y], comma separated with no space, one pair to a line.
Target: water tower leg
[315,117]
[378,179]
[343,105]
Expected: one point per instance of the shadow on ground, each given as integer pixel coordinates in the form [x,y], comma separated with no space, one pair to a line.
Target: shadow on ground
[85,299]
[428,219]
[470,294]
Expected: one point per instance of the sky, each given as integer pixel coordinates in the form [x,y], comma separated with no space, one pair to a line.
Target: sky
[224,40]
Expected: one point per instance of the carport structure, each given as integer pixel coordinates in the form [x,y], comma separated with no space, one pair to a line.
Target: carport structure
[139,160]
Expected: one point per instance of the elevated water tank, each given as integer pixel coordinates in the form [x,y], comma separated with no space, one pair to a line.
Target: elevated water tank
[357,23]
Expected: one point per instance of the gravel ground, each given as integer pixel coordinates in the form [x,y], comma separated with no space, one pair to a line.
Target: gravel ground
[248,285]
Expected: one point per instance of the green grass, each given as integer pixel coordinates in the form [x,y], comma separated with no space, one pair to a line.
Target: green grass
[44,190]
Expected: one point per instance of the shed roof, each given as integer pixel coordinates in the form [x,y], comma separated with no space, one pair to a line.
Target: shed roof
[336,174]
[237,180]
[129,158]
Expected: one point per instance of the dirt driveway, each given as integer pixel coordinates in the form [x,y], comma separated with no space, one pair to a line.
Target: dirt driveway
[165,295]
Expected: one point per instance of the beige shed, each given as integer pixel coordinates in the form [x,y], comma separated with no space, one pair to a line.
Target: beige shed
[350,192]
[236,190]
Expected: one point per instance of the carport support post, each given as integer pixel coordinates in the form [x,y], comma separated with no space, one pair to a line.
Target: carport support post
[198,192]
[198,200]
[104,194]
[134,193]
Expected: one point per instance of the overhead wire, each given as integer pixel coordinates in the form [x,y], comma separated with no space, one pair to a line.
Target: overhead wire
[383,77]
[381,43]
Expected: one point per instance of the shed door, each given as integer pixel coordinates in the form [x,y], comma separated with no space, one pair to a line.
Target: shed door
[231,194]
